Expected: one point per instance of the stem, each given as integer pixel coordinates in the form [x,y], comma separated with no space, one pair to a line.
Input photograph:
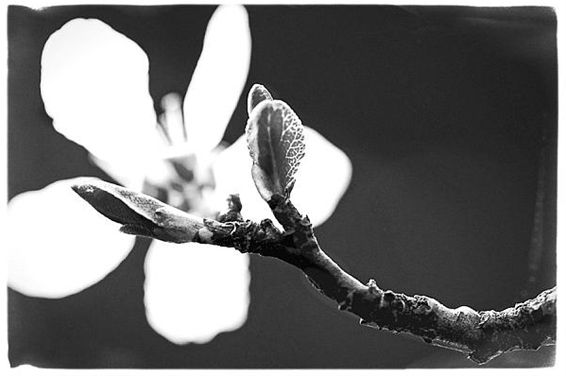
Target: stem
[482,335]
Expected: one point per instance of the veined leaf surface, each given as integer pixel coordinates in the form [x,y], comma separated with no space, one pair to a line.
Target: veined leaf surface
[276,144]
[258,93]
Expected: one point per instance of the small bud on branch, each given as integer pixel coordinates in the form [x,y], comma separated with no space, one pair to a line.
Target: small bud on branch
[139,214]
[276,144]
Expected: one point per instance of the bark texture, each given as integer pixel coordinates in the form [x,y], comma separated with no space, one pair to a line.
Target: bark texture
[482,335]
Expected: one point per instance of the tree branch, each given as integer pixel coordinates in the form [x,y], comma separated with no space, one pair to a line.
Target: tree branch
[482,335]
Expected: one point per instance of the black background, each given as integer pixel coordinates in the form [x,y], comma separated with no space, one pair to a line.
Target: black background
[445,113]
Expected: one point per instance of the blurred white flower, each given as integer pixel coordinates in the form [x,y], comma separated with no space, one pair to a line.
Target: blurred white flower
[94,84]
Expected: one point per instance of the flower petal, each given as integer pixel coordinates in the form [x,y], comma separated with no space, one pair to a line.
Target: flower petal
[94,84]
[123,172]
[219,77]
[194,292]
[321,180]
[58,245]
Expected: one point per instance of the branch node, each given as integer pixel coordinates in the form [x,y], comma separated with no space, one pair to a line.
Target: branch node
[423,307]
[389,296]
[372,287]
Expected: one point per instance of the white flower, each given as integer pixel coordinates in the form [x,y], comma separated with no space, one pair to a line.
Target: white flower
[94,85]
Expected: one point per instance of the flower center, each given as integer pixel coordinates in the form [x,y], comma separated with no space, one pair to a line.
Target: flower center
[187,182]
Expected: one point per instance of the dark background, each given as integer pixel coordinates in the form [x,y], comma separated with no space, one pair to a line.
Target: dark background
[447,113]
